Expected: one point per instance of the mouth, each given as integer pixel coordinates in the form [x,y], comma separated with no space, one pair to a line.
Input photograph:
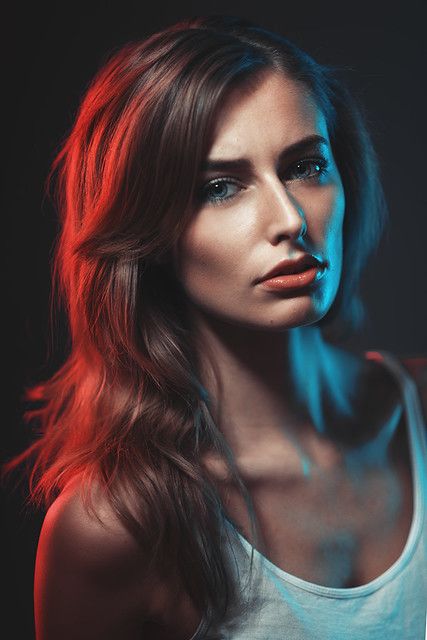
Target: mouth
[294,281]
[298,267]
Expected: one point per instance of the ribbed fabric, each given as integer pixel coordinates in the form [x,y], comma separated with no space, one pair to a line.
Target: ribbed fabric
[390,607]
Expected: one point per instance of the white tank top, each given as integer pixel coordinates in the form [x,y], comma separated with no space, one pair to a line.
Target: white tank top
[390,607]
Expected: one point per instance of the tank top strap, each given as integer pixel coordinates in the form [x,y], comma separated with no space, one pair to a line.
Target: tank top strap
[412,404]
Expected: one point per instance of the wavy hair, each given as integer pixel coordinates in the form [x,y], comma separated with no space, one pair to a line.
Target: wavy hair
[127,409]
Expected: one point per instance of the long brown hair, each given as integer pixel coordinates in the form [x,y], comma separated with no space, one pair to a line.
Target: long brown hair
[127,409]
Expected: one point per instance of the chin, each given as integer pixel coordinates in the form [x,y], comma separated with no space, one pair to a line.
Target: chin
[301,312]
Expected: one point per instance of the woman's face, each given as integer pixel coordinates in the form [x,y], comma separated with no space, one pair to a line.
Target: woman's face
[273,203]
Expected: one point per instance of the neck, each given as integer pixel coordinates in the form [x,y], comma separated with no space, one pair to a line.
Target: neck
[265,383]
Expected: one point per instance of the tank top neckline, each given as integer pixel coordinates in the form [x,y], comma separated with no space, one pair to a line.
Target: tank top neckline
[414,427]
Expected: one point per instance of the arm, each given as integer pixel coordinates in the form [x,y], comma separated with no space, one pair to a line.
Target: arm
[90,578]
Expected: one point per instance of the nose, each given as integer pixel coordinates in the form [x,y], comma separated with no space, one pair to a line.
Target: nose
[285,216]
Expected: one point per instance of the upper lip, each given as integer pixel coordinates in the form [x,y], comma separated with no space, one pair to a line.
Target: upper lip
[291,266]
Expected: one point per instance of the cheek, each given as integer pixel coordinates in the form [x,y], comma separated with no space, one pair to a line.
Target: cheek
[329,224]
[332,236]
[205,256]
[336,219]
[333,231]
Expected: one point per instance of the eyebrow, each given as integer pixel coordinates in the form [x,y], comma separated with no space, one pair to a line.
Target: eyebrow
[245,164]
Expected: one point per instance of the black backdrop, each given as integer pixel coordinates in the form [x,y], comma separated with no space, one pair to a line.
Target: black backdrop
[51,51]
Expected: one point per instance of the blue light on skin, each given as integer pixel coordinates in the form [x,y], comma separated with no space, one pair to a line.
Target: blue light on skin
[314,371]
[306,464]
[314,374]
[374,452]
[341,548]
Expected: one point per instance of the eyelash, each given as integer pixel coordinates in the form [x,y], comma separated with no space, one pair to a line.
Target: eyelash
[320,161]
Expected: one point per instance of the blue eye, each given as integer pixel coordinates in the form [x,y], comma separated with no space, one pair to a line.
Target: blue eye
[218,190]
[315,167]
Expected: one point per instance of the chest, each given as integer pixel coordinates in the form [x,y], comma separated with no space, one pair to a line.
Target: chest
[332,528]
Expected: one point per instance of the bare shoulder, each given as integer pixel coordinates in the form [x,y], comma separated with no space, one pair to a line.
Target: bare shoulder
[417,369]
[91,577]
[416,366]
[99,540]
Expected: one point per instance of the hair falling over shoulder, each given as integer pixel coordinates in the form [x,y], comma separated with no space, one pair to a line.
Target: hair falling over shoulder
[126,410]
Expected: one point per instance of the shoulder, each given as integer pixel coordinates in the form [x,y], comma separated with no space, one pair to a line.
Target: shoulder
[97,540]
[380,382]
[91,576]
[416,366]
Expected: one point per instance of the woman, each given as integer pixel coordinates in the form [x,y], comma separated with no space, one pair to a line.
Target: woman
[215,466]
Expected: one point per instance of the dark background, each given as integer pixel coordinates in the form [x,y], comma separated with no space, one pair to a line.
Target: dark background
[51,51]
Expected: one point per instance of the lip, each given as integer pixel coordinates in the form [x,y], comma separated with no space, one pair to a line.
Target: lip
[299,268]
[293,281]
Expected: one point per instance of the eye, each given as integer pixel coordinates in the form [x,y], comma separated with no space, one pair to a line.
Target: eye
[218,190]
[223,189]
[309,168]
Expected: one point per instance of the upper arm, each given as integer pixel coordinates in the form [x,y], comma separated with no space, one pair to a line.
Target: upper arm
[90,577]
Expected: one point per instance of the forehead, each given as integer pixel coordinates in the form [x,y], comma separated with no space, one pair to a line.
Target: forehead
[275,113]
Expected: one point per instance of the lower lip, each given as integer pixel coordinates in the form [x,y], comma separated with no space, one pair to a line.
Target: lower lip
[293,280]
